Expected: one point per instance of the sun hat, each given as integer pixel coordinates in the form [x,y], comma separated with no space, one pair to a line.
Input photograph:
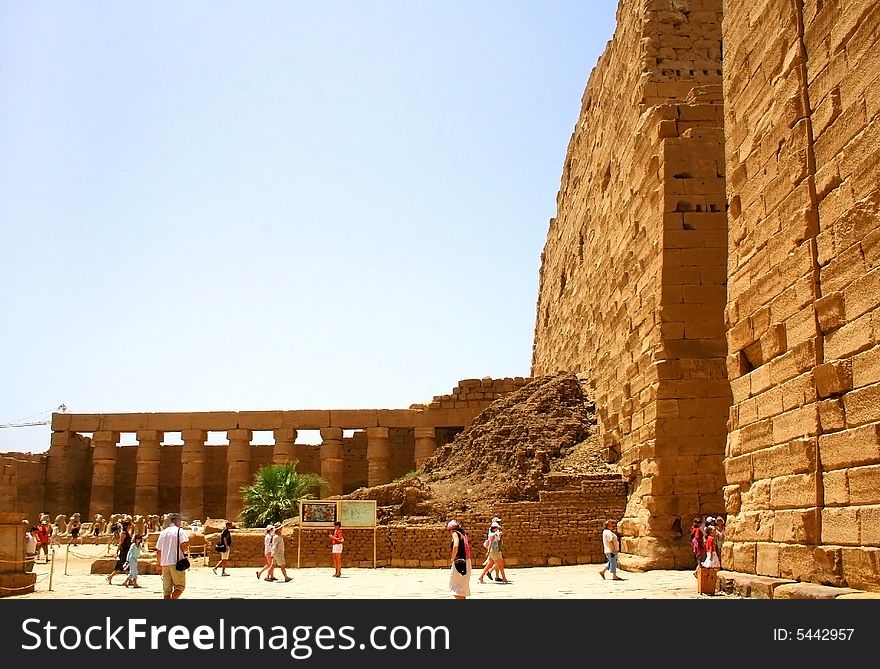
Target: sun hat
[496,519]
[452,524]
[270,526]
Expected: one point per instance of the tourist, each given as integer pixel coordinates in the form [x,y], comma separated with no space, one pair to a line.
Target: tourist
[611,547]
[337,539]
[460,557]
[121,552]
[698,544]
[268,539]
[711,561]
[226,540]
[278,556]
[720,526]
[43,533]
[74,528]
[30,546]
[494,559]
[171,547]
[134,552]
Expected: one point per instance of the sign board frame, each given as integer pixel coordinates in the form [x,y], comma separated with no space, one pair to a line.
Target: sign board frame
[314,513]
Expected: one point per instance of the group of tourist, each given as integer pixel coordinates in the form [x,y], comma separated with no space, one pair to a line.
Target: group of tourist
[707,536]
[460,558]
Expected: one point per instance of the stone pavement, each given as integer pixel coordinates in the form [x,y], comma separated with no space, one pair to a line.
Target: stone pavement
[567,582]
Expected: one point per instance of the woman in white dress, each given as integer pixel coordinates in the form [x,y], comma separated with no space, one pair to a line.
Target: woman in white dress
[460,557]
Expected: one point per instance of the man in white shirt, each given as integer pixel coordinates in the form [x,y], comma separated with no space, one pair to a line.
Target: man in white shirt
[170,547]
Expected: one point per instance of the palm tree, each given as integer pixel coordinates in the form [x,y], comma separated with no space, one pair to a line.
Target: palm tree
[275,494]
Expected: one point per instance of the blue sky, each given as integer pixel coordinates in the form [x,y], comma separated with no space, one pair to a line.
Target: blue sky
[235,206]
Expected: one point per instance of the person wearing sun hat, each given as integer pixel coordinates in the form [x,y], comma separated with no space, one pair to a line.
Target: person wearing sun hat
[267,549]
[278,556]
[460,557]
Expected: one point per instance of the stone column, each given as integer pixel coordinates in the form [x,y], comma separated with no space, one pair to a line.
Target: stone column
[238,469]
[378,453]
[331,459]
[146,490]
[103,474]
[192,480]
[59,474]
[284,446]
[426,441]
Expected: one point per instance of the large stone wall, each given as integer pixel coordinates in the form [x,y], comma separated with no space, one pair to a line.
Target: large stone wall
[632,282]
[802,98]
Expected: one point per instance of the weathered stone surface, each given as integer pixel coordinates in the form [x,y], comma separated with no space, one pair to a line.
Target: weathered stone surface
[809,591]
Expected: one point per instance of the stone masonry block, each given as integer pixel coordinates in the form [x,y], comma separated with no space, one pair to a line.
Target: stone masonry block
[833,378]
[831,416]
[796,457]
[799,526]
[800,422]
[401,418]
[354,418]
[305,419]
[835,488]
[862,406]
[767,559]
[773,342]
[259,420]
[869,525]
[819,564]
[864,484]
[795,491]
[840,526]
[861,565]
[850,448]
[866,367]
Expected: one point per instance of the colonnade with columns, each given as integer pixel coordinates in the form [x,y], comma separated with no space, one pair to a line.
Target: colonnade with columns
[105,450]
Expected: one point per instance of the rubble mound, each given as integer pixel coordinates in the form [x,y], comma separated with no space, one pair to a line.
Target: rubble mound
[502,456]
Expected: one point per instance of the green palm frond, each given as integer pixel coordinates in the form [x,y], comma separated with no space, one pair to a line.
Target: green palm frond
[275,494]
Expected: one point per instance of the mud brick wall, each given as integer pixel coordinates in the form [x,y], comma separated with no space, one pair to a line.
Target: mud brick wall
[633,273]
[802,128]
[565,527]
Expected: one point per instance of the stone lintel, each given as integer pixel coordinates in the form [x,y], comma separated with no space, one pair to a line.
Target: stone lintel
[398,417]
[306,419]
[60,421]
[259,420]
[354,418]
[172,422]
[85,422]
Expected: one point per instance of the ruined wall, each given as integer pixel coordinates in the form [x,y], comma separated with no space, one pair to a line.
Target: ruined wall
[22,484]
[563,527]
[633,273]
[802,98]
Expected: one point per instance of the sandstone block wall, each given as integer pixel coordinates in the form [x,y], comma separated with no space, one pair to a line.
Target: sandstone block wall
[802,94]
[633,273]
[22,484]
[564,527]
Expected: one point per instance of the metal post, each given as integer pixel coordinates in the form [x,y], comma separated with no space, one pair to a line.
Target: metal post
[51,569]
[66,558]
[298,542]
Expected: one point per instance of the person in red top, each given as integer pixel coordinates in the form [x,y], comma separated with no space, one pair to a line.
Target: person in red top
[336,549]
[43,535]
